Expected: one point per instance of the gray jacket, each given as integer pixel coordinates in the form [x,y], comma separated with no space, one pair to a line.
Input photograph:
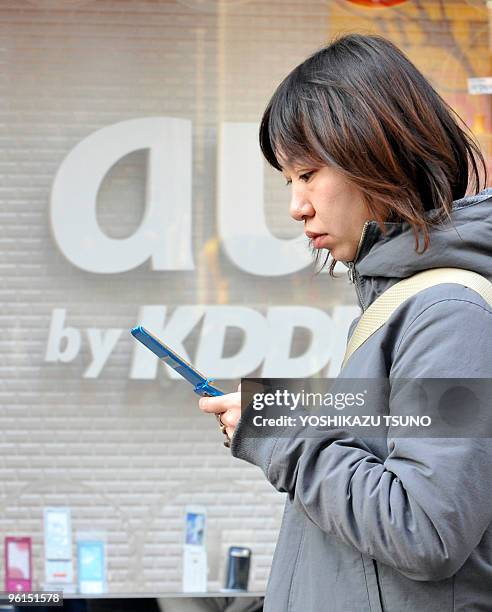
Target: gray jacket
[394,524]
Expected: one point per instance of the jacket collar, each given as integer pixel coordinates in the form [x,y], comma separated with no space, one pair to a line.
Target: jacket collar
[383,259]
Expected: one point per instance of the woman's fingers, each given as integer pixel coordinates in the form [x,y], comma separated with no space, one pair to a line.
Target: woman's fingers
[230,418]
[220,403]
[225,417]
[212,404]
[228,406]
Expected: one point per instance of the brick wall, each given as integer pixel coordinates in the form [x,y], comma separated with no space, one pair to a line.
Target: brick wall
[128,455]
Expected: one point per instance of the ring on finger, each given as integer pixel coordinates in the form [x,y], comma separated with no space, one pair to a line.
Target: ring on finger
[223,428]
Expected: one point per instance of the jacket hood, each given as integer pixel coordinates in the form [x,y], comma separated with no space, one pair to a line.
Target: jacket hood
[464,242]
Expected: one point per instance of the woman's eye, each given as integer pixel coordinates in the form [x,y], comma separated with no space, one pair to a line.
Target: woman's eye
[305,176]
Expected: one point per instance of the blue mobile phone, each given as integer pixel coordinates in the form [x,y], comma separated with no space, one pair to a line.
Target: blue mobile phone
[201,384]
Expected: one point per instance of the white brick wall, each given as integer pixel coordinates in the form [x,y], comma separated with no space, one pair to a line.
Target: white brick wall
[127,456]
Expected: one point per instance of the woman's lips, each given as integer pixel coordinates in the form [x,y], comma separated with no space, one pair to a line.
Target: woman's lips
[318,240]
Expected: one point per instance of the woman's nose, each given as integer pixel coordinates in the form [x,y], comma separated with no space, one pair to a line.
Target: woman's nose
[300,207]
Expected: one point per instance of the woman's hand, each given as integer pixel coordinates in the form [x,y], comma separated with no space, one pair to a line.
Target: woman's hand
[228,406]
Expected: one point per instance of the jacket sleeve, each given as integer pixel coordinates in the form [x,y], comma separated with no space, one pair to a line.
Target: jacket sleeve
[425,508]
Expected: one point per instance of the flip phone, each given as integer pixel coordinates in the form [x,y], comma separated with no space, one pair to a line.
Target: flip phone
[201,384]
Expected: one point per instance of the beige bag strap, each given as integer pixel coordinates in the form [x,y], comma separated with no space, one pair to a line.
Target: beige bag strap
[385,305]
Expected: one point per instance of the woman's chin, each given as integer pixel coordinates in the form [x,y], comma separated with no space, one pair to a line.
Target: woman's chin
[335,251]
[341,253]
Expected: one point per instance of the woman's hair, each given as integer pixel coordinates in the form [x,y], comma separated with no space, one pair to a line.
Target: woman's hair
[360,106]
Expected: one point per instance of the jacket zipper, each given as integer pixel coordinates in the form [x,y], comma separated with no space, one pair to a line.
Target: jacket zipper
[352,272]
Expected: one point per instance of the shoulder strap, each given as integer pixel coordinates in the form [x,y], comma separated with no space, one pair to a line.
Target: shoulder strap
[385,305]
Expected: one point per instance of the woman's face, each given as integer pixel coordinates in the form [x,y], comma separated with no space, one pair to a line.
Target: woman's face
[332,208]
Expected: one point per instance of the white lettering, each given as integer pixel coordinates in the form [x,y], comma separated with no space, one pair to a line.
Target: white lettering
[242,222]
[101,344]
[267,338]
[282,321]
[256,335]
[57,333]
[168,206]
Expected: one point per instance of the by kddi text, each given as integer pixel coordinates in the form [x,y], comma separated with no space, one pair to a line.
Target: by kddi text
[267,341]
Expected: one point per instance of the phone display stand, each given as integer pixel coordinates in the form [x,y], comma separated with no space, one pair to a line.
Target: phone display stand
[58,550]
[195,567]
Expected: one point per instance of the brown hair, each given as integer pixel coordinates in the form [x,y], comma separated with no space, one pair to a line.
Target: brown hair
[360,106]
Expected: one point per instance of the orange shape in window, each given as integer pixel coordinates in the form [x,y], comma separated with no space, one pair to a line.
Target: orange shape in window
[377,3]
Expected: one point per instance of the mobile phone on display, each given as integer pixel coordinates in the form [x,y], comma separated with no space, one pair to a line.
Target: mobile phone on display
[201,384]
[18,564]
[196,520]
[238,562]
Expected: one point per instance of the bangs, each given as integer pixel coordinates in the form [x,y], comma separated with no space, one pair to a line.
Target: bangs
[362,108]
[283,127]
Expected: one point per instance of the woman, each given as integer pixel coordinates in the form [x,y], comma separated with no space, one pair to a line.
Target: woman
[379,168]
